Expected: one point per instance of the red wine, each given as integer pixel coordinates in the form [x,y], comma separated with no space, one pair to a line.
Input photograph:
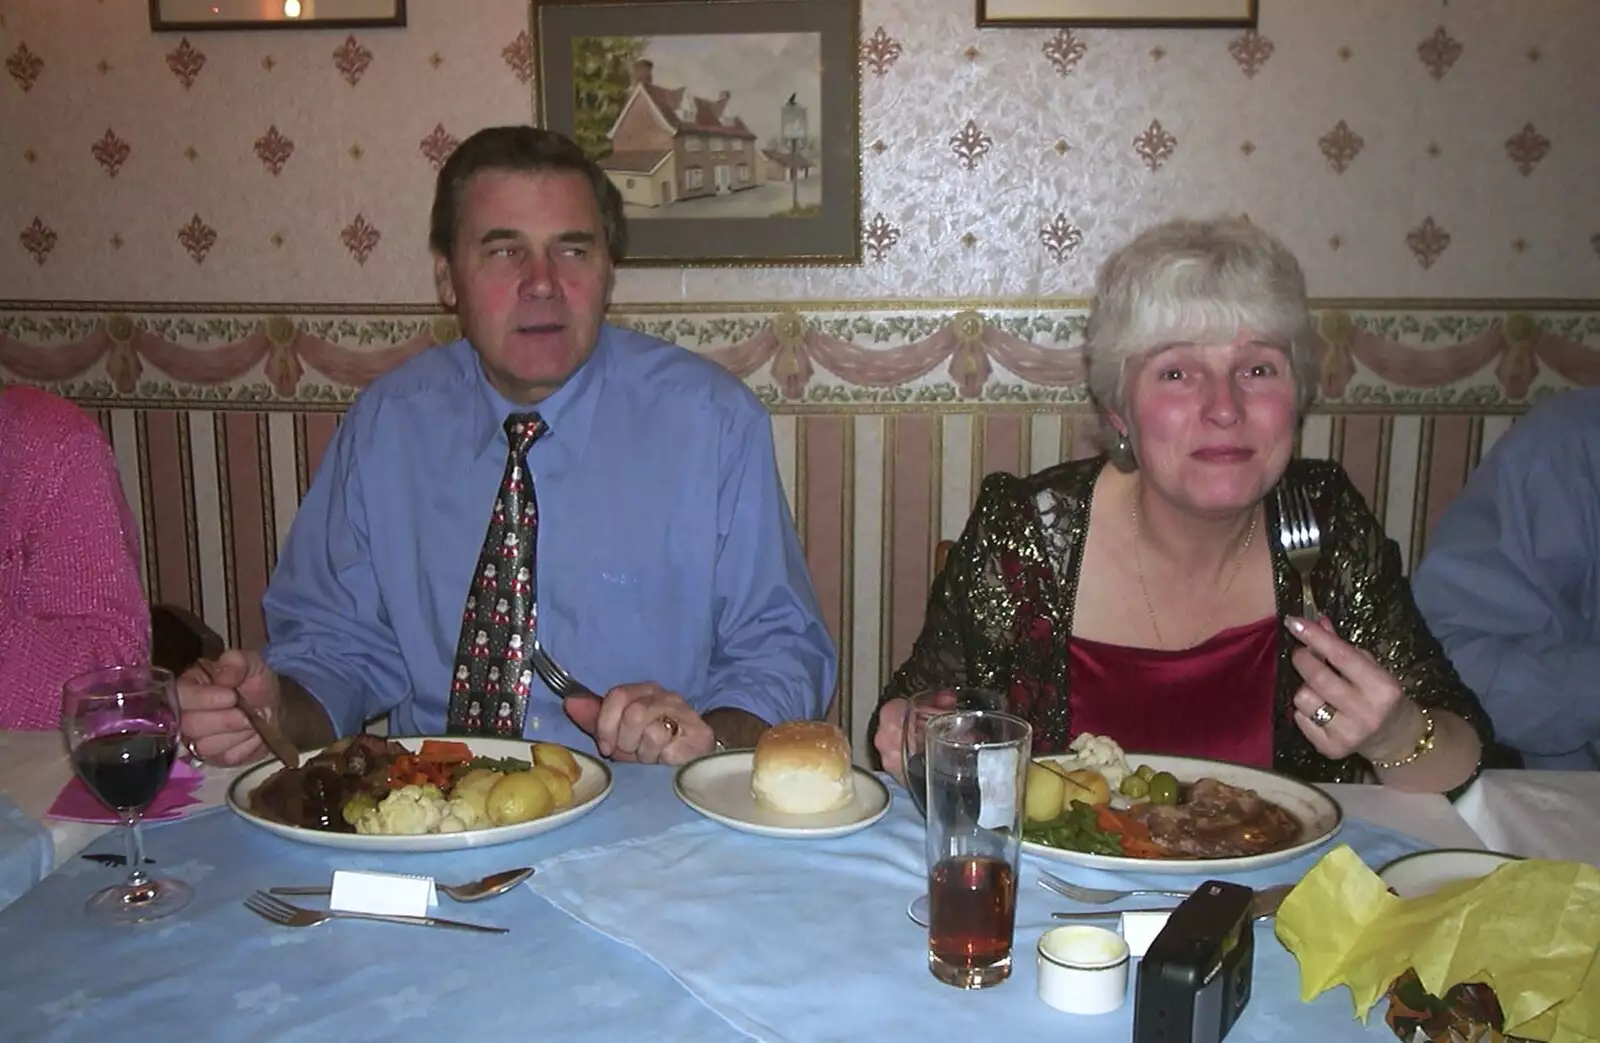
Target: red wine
[125,770]
[972,911]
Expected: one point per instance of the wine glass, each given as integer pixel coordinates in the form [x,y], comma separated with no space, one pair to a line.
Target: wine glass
[922,708]
[121,727]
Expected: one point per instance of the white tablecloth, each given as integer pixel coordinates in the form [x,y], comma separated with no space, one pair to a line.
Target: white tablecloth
[1537,814]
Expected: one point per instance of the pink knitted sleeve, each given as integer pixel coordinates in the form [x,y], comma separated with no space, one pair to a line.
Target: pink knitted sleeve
[77,603]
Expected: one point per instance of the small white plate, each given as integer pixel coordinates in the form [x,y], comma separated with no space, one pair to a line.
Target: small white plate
[718,786]
[592,787]
[1423,873]
[1319,815]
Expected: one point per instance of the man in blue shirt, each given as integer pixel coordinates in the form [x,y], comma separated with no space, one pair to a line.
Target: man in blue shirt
[1511,583]
[662,567]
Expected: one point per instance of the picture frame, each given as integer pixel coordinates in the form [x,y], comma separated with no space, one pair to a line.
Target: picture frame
[1119,14]
[202,15]
[731,127]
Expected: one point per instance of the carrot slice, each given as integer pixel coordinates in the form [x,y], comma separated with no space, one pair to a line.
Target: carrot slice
[444,751]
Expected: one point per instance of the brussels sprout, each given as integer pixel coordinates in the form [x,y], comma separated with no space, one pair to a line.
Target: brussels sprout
[1144,771]
[358,806]
[1163,788]
[1135,787]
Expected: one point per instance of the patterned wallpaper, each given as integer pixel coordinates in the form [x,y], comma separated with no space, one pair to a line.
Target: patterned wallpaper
[1438,149]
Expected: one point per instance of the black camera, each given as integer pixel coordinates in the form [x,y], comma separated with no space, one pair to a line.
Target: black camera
[1194,980]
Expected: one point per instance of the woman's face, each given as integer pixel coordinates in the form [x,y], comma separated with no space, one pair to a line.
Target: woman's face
[1212,425]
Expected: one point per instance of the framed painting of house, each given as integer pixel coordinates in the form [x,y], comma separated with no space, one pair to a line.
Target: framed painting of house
[730,127]
[1127,14]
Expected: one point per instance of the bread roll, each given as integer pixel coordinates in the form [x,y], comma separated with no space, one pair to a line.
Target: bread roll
[802,768]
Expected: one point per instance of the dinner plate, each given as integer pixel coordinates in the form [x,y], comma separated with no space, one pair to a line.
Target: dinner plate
[718,786]
[1319,815]
[592,787]
[1424,872]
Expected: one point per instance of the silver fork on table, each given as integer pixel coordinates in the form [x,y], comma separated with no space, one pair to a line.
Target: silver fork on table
[1301,539]
[283,913]
[1097,895]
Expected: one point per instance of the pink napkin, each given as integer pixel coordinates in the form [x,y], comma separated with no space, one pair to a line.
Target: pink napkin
[76,804]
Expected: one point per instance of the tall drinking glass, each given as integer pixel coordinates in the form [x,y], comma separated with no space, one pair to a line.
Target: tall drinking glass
[976,762]
[121,727]
[923,707]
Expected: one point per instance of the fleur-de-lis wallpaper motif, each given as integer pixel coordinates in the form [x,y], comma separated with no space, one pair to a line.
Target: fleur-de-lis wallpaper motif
[1061,237]
[880,51]
[1065,50]
[38,239]
[1251,52]
[1439,52]
[1155,145]
[274,149]
[438,145]
[1526,148]
[879,236]
[352,60]
[518,55]
[1341,146]
[198,238]
[360,238]
[24,67]
[111,152]
[1428,242]
[186,61]
[970,145]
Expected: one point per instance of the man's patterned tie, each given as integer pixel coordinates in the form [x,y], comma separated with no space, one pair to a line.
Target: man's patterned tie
[489,688]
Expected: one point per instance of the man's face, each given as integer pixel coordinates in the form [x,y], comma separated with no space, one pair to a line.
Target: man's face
[528,276]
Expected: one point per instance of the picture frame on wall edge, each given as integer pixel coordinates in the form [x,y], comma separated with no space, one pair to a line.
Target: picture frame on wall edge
[730,127]
[203,15]
[1119,14]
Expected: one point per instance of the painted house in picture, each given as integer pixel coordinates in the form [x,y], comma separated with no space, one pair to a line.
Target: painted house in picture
[668,145]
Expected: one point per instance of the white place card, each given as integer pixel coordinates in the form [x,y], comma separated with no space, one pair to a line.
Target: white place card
[1139,929]
[388,894]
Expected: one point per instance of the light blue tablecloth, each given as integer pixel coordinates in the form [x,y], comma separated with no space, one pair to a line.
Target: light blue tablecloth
[749,906]
[26,852]
[809,941]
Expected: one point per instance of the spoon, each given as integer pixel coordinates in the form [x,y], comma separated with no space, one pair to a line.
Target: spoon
[471,891]
[1263,906]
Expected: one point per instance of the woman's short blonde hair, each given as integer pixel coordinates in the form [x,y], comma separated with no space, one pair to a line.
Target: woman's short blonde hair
[1199,282]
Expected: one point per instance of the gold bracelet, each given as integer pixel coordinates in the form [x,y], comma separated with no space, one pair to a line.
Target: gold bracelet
[1423,745]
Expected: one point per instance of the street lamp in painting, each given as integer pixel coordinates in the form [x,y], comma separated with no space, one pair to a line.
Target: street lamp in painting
[793,135]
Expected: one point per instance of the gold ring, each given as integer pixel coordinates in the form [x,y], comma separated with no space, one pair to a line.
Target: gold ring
[670,724]
[1322,715]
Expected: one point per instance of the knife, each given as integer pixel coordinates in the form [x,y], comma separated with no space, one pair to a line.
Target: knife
[276,741]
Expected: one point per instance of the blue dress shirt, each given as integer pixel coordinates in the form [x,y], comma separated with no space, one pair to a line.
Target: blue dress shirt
[1511,583]
[666,548]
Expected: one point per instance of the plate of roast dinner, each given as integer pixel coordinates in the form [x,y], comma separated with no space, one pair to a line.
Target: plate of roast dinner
[368,793]
[1100,808]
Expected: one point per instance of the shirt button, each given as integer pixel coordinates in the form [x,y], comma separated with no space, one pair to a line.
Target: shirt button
[533,724]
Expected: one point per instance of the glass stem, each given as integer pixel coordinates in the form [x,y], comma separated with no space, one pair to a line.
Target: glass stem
[136,878]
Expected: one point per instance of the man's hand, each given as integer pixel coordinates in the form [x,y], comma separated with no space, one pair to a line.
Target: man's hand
[642,722]
[213,725]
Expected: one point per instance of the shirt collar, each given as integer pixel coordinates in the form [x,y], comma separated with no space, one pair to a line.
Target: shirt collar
[567,413]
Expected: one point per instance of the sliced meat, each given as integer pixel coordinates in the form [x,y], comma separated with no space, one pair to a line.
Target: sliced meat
[1215,820]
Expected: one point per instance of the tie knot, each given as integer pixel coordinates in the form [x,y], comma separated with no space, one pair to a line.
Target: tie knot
[522,429]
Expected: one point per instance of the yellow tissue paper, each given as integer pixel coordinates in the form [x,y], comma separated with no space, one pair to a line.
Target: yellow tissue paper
[1530,930]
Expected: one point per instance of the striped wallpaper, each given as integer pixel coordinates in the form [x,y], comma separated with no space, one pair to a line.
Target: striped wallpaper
[873,492]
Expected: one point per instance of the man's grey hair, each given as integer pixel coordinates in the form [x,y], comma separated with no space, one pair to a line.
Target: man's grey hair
[1200,282]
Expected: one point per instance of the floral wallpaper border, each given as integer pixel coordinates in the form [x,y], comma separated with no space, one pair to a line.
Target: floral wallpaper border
[1477,356]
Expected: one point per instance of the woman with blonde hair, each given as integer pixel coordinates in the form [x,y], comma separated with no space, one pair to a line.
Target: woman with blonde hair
[1150,600]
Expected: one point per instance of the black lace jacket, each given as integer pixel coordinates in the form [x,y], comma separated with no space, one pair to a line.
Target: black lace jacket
[1000,612]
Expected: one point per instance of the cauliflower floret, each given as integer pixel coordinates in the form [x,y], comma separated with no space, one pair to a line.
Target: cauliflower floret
[408,811]
[1103,754]
[461,815]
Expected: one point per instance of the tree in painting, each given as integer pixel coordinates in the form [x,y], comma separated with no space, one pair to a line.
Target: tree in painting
[602,75]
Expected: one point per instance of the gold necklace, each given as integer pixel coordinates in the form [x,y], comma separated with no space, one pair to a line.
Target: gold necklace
[1138,560]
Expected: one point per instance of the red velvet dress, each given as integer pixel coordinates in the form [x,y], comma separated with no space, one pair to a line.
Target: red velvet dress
[1212,700]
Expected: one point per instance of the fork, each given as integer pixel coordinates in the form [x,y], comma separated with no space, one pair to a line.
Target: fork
[1301,539]
[1097,895]
[552,673]
[280,912]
